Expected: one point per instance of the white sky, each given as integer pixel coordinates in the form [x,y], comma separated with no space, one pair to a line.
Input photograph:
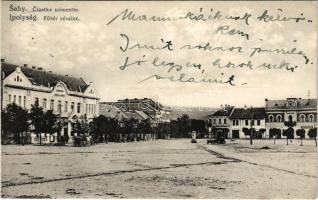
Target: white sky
[90,49]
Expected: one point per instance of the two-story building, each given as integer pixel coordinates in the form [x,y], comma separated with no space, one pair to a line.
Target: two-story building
[220,120]
[246,118]
[295,112]
[69,97]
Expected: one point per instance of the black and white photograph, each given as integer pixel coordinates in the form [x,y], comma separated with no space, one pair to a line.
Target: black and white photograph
[159,99]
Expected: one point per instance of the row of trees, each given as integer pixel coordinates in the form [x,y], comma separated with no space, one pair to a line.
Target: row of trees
[104,129]
[17,121]
[289,134]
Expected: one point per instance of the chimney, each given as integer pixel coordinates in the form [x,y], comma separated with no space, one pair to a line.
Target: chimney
[2,60]
[266,99]
[25,65]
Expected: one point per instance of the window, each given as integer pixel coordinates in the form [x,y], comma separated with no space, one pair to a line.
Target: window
[94,109]
[290,118]
[72,106]
[78,107]
[279,118]
[224,120]
[311,118]
[214,121]
[24,101]
[20,100]
[9,98]
[220,121]
[252,122]
[52,105]
[86,108]
[14,99]
[65,106]
[302,118]
[59,106]
[235,122]
[258,122]
[270,118]
[18,79]
[246,122]
[36,101]
[44,104]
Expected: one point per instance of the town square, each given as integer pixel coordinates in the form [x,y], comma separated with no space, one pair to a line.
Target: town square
[162,169]
[159,100]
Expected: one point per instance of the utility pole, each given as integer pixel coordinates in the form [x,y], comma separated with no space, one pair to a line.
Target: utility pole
[252,121]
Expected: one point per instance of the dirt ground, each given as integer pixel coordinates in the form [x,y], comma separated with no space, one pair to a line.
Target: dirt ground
[162,169]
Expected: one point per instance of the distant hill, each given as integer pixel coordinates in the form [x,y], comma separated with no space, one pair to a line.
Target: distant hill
[193,112]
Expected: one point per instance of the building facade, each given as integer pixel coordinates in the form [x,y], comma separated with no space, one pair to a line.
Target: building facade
[300,113]
[220,120]
[145,107]
[69,97]
[245,118]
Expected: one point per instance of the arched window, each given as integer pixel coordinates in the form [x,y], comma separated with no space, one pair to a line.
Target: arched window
[290,118]
[270,118]
[302,118]
[311,118]
[279,118]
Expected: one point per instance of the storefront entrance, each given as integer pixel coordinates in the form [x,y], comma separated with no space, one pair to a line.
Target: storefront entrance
[235,134]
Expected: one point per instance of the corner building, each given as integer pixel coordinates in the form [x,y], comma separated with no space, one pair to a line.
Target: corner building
[69,97]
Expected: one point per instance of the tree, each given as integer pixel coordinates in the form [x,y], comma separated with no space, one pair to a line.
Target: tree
[81,126]
[288,133]
[198,126]
[246,131]
[312,133]
[129,127]
[37,120]
[98,127]
[144,127]
[273,132]
[262,131]
[14,119]
[174,129]
[184,125]
[301,133]
[50,122]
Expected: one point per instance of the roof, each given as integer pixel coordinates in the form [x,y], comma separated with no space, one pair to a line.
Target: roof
[223,112]
[147,102]
[133,115]
[242,113]
[282,104]
[109,110]
[142,114]
[45,78]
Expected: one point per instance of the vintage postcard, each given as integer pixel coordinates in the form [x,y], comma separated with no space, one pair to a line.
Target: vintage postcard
[159,99]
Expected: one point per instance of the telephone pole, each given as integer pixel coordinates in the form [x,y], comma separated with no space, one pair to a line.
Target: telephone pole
[252,121]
